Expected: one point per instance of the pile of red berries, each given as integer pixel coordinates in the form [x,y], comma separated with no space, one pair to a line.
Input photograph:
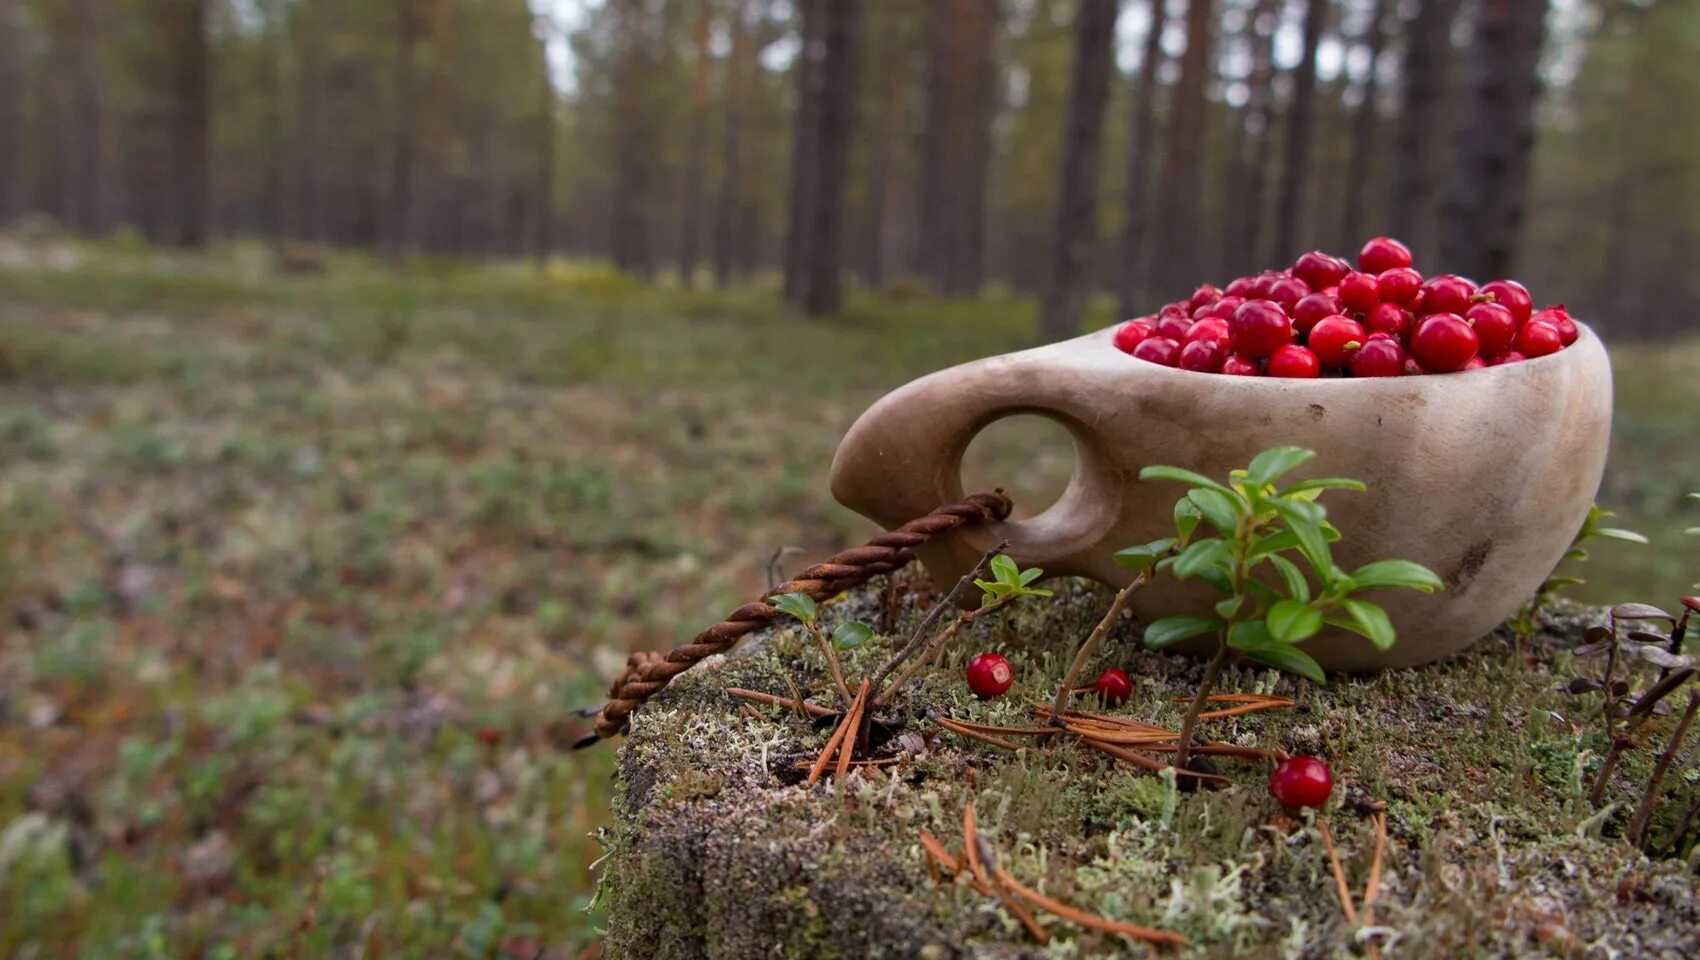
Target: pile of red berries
[1322,318]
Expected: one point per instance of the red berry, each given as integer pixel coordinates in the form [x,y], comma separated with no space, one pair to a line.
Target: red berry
[1301,782]
[1240,287]
[1261,283]
[1335,339]
[1238,366]
[1509,356]
[489,736]
[1380,356]
[1113,685]
[1210,328]
[1560,318]
[1132,333]
[1399,285]
[1203,295]
[1389,318]
[1447,293]
[989,675]
[1476,363]
[1159,350]
[1512,296]
[1259,328]
[1538,338]
[1294,362]
[1359,291]
[1415,369]
[1204,356]
[1173,325]
[1319,271]
[1443,342]
[1287,291]
[1383,253]
[1495,327]
[1313,308]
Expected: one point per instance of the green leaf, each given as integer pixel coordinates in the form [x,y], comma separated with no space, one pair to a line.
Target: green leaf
[799,605]
[1324,483]
[1031,574]
[851,634]
[1221,510]
[1191,479]
[1005,570]
[1692,532]
[1297,587]
[1186,519]
[1229,607]
[1272,463]
[1617,533]
[1172,630]
[1290,659]
[1372,622]
[1250,635]
[1143,556]
[1293,622]
[1201,556]
[1396,573]
[1304,525]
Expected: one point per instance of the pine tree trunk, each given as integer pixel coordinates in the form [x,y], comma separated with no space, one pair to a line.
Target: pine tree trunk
[1420,125]
[805,129]
[191,127]
[890,64]
[629,223]
[1252,161]
[836,118]
[543,212]
[1183,163]
[1141,125]
[1296,168]
[1077,191]
[405,135]
[88,181]
[1363,133]
[1483,211]
[11,110]
[696,149]
[726,205]
[976,84]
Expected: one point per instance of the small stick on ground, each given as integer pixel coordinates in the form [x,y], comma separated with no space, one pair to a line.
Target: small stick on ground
[800,705]
[838,734]
[968,848]
[1190,721]
[918,639]
[1372,886]
[932,845]
[973,734]
[1340,889]
[796,698]
[1089,649]
[853,723]
[1088,920]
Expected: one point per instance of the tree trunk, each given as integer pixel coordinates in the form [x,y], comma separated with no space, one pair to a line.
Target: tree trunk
[836,117]
[1296,168]
[629,226]
[1363,133]
[696,149]
[1490,178]
[543,213]
[1183,163]
[1251,163]
[88,161]
[889,63]
[191,121]
[805,127]
[11,110]
[1420,123]
[1077,192]
[962,85]
[726,206]
[1141,125]
[405,135]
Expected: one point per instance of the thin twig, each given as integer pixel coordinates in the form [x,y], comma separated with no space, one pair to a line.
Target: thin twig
[1190,720]
[1084,919]
[797,698]
[919,637]
[803,706]
[1372,886]
[1141,760]
[1016,907]
[972,734]
[1340,889]
[1089,649]
[853,723]
[939,853]
[969,850]
[826,755]
[831,663]
[1649,798]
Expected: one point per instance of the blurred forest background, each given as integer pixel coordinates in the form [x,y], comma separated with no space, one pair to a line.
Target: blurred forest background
[375,374]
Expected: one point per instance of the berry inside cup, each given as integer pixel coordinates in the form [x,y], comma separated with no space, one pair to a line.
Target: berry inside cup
[1330,317]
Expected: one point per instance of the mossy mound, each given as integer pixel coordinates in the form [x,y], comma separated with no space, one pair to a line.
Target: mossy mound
[718,850]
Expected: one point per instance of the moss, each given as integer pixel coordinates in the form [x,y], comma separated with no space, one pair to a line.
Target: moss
[720,853]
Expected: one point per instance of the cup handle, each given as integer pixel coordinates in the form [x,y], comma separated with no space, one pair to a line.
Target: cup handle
[903,457]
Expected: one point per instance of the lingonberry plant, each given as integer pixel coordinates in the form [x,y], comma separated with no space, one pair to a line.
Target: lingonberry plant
[1523,623]
[1249,524]
[848,635]
[1316,317]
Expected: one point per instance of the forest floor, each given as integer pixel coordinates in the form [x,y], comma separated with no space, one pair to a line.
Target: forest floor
[302,577]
